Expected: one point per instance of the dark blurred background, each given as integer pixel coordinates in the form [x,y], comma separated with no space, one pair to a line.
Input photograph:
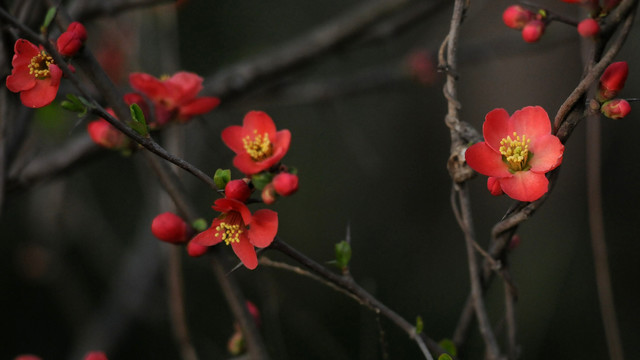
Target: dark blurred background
[81,271]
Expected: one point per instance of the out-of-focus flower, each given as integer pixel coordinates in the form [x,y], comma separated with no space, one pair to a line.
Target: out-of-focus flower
[34,75]
[285,184]
[422,66]
[174,96]
[106,135]
[616,108]
[268,194]
[27,357]
[236,226]
[518,150]
[256,143]
[169,227]
[612,80]
[96,355]
[195,250]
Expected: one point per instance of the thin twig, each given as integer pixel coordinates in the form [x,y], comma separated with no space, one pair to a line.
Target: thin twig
[424,343]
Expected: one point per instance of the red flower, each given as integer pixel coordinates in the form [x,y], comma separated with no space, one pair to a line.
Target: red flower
[106,135]
[169,227]
[95,355]
[256,143]
[34,75]
[517,151]
[238,228]
[613,80]
[174,96]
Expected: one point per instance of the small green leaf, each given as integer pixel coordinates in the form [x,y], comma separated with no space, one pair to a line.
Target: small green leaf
[419,325]
[139,123]
[199,224]
[71,106]
[51,14]
[261,180]
[221,178]
[343,254]
[445,357]
[448,346]
[75,104]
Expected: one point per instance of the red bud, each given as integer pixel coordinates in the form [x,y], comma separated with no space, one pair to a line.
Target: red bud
[494,186]
[516,17]
[68,44]
[616,108]
[237,190]
[533,31]
[588,28]
[269,195]
[105,135]
[79,30]
[169,227]
[612,80]
[195,250]
[285,184]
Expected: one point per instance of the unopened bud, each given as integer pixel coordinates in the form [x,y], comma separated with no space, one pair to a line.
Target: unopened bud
[105,135]
[588,28]
[269,195]
[612,80]
[78,29]
[516,17]
[494,186]
[196,250]
[533,31]
[285,184]
[616,108]
[169,227]
[70,41]
[237,190]
[236,344]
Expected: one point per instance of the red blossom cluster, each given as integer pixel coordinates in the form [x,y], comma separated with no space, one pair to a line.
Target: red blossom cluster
[611,82]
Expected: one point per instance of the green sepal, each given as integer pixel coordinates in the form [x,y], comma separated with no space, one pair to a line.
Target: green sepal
[261,180]
[293,170]
[199,224]
[139,123]
[343,254]
[51,14]
[221,178]
[419,325]
[448,346]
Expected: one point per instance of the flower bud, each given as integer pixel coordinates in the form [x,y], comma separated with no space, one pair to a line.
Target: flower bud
[612,80]
[195,250]
[237,190]
[285,184]
[588,28]
[78,30]
[105,135]
[95,355]
[516,17]
[169,227]
[533,31]
[68,44]
[255,313]
[494,186]
[269,195]
[236,344]
[616,108]
[422,66]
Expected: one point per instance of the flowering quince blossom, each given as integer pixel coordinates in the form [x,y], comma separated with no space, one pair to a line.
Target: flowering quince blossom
[236,226]
[70,41]
[174,96]
[613,80]
[34,75]
[256,143]
[517,152]
[106,135]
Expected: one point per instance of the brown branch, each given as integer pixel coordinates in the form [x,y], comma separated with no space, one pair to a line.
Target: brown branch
[344,282]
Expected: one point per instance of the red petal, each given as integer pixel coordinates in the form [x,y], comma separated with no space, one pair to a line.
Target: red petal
[20,80]
[45,91]
[525,185]
[198,106]
[228,205]
[184,86]
[232,137]
[148,85]
[24,51]
[208,237]
[258,122]
[547,153]
[263,228]
[245,252]
[247,166]
[531,121]
[486,161]
[496,127]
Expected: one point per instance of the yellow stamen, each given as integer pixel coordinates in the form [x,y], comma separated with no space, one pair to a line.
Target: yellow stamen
[516,151]
[39,66]
[260,147]
[229,232]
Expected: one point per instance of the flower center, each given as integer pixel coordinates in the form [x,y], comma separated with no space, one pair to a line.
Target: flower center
[230,232]
[515,152]
[39,66]
[259,148]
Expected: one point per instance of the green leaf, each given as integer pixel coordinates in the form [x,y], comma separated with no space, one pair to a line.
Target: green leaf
[261,180]
[51,14]
[76,104]
[139,123]
[199,224]
[448,346]
[445,357]
[221,178]
[343,254]
[419,325]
